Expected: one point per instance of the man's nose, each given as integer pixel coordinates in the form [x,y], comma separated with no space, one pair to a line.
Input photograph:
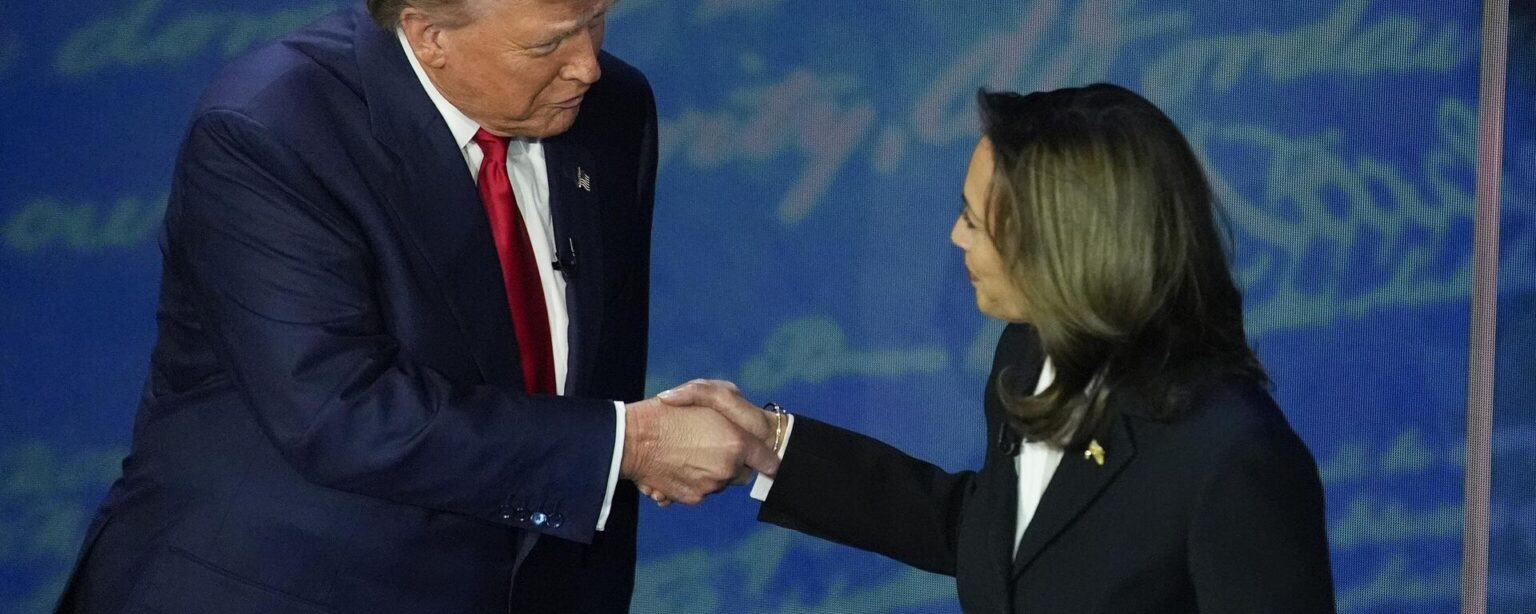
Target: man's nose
[582,66]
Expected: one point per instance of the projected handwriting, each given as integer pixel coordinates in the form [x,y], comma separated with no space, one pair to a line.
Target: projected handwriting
[85,227]
[1022,60]
[824,119]
[1407,454]
[804,113]
[813,350]
[1339,44]
[1369,520]
[1395,583]
[42,494]
[1339,235]
[141,36]
[1364,520]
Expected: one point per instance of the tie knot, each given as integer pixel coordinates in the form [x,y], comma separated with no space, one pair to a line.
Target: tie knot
[492,145]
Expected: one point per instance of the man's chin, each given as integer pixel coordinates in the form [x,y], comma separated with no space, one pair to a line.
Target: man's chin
[554,124]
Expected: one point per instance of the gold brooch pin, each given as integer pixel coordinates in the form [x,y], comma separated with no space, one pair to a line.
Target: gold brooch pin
[1095,452]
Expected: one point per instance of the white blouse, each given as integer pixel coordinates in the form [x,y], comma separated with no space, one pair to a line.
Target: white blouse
[1035,464]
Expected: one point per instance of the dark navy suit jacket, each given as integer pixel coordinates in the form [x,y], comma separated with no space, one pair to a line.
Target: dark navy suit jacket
[334,419]
[1220,511]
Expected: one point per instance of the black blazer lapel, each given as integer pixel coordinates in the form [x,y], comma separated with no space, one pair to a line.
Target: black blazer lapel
[434,200]
[1020,358]
[1077,482]
[575,188]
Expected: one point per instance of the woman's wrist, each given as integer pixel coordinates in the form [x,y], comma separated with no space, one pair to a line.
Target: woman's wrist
[779,421]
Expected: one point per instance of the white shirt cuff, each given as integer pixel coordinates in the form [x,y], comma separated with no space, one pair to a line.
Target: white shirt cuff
[613,470]
[763,483]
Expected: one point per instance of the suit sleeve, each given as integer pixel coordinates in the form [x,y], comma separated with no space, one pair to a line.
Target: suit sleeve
[1257,540]
[288,296]
[851,489]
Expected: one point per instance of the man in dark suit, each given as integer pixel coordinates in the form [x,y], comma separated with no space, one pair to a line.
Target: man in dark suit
[404,294]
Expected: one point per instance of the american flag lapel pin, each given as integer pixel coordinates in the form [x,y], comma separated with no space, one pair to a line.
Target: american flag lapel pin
[583,180]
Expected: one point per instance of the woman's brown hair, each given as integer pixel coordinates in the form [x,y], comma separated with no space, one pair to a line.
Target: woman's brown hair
[1105,219]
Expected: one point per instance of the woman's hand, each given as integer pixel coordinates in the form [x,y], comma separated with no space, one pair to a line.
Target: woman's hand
[725,398]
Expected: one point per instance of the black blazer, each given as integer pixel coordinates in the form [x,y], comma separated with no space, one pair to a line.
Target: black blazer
[1220,511]
[334,417]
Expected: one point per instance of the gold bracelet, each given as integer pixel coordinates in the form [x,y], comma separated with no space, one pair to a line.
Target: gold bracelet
[780,420]
[780,430]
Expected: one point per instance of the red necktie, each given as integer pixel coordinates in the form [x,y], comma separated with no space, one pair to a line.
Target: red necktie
[519,269]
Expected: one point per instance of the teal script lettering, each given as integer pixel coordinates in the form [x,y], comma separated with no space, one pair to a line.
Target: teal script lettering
[1342,44]
[80,226]
[140,37]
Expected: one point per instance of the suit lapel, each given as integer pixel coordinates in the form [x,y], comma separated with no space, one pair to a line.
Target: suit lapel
[1077,482]
[435,203]
[575,185]
[1004,477]
[1019,353]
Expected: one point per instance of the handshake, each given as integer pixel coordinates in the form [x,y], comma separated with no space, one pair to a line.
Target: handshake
[695,440]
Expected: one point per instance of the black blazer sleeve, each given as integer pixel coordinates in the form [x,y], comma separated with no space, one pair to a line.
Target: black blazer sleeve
[1257,536]
[855,490]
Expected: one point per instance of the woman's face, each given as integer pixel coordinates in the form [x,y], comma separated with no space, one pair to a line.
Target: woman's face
[997,294]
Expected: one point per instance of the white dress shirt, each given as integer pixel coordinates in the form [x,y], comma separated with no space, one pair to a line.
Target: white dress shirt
[530,185]
[1035,463]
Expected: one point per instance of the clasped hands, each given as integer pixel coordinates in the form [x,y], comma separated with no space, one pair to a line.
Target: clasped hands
[695,440]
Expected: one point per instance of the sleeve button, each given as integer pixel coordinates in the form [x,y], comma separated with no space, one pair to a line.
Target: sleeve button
[555,520]
[539,519]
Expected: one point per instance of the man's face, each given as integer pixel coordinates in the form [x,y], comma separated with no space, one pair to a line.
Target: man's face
[520,67]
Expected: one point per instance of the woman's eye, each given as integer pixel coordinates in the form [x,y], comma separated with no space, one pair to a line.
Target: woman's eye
[965,216]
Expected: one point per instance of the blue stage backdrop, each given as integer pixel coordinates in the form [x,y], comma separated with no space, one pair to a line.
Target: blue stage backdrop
[812,152]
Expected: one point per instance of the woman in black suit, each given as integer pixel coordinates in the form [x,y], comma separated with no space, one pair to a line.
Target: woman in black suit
[1135,460]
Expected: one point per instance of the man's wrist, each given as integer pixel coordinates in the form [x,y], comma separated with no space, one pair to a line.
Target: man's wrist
[619,424]
[636,430]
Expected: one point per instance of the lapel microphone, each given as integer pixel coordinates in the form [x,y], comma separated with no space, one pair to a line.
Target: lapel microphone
[1007,442]
[566,262]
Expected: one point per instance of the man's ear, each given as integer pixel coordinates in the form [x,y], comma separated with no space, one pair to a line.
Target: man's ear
[424,36]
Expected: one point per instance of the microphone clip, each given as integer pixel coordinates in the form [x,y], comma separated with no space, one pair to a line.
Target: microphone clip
[565,260]
[1007,442]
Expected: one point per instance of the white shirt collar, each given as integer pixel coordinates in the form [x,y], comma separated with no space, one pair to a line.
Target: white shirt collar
[462,127]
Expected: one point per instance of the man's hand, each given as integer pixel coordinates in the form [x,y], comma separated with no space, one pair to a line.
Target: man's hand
[684,453]
[726,398]
[723,397]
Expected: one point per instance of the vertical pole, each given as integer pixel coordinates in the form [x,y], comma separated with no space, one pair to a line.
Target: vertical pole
[1482,341]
